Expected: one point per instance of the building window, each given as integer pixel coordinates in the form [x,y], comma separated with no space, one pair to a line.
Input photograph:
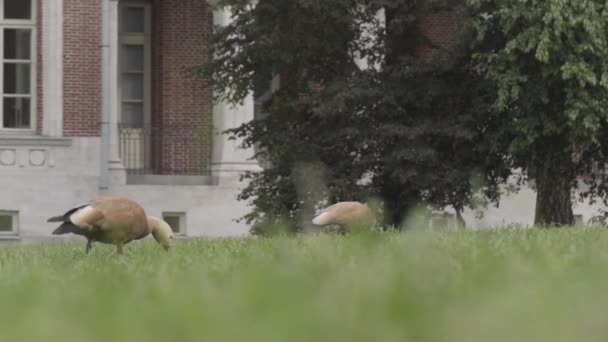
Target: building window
[18,43]
[17,9]
[177,221]
[134,84]
[134,64]
[9,223]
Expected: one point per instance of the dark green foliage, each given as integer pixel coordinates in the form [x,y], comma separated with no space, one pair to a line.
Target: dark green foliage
[439,140]
[422,131]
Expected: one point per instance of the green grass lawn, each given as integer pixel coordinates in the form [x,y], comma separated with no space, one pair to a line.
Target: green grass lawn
[509,285]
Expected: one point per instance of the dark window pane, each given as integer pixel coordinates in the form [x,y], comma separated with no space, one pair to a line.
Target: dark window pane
[17,43]
[133,57]
[133,19]
[6,223]
[17,78]
[132,114]
[17,9]
[173,222]
[133,87]
[16,112]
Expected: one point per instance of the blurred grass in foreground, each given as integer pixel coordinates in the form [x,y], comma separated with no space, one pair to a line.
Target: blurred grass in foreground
[507,285]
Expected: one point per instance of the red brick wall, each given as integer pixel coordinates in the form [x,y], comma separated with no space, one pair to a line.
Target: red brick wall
[442,28]
[81,67]
[181,106]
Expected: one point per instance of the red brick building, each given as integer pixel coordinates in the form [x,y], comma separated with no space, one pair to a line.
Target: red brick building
[158,104]
[162,145]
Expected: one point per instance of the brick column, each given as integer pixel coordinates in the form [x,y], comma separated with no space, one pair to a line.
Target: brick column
[81,67]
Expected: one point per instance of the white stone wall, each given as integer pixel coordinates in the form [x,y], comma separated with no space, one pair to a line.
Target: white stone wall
[42,181]
[518,209]
[210,209]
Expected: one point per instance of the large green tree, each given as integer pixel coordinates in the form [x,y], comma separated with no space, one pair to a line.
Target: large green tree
[419,131]
[439,140]
[549,62]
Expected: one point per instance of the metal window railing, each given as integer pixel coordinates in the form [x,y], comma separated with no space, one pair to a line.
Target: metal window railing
[164,149]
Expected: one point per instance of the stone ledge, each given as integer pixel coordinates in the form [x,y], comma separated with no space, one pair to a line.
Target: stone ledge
[9,237]
[171,180]
[33,140]
[235,167]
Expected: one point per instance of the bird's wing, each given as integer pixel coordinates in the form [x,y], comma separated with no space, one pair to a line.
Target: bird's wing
[325,217]
[122,216]
[87,217]
[347,212]
[330,214]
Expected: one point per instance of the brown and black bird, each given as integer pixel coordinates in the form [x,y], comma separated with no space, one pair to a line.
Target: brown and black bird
[112,220]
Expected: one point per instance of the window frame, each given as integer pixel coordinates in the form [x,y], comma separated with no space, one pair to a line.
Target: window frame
[15,224]
[142,39]
[28,24]
[181,216]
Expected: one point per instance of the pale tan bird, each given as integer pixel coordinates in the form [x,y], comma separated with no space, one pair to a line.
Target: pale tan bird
[112,220]
[161,231]
[347,215]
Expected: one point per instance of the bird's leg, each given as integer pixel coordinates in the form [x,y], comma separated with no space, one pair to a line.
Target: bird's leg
[89,246]
[119,248]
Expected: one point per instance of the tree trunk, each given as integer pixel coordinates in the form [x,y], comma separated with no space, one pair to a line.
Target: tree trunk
[400,42]
[396,199]
[394,213]
[460,223]
[554,176]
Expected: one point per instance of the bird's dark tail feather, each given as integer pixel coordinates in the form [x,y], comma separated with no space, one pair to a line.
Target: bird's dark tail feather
[56,219]
[65,228]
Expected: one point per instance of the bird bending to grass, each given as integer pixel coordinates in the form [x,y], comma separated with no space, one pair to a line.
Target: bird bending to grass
[112,220]
[347,215]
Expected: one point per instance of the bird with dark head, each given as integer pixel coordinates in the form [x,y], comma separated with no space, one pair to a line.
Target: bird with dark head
[112,220]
